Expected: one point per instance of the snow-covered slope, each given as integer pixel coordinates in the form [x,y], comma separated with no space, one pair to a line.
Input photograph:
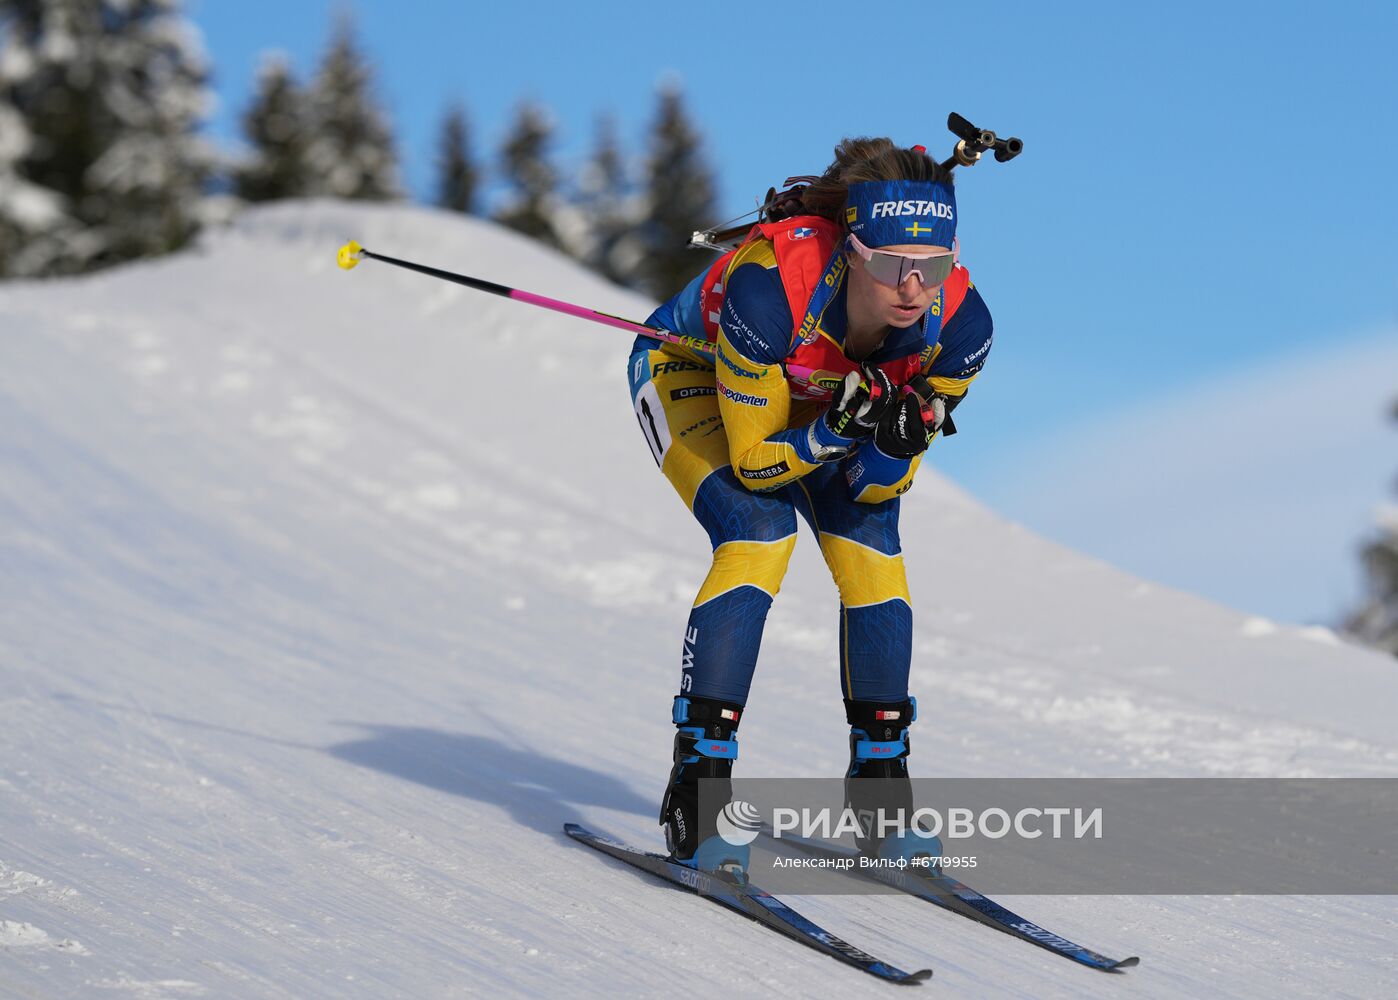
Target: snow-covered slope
[326,598]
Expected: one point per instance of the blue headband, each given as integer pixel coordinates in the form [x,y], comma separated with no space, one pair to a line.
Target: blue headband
[888,213]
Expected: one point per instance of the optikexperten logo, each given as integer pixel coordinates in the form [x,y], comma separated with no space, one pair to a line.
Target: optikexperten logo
[740,397]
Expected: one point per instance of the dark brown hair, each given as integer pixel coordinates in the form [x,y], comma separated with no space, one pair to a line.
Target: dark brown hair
[866,159]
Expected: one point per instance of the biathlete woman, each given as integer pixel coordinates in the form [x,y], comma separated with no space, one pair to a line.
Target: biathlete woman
[863,285]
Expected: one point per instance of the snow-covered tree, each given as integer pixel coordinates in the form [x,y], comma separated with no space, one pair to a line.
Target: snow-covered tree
[611,209]
[55,126]
[108,95]
[350,153]
[457,174]
[276,125]
[532,201]
[1376,620]
[31,216]
[31,219]
[149,180]
[680,196]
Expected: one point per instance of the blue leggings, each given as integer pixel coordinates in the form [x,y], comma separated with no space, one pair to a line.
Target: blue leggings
[753,534]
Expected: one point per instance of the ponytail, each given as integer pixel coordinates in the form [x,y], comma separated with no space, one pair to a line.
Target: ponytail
[866,159]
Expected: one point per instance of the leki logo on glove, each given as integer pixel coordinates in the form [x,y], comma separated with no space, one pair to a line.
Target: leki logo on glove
[739,823]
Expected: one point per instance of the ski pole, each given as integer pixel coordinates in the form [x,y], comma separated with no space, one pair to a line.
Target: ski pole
[352,253]
[818,382]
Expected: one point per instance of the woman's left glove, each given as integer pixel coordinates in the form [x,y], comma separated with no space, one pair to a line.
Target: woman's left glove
[908,426]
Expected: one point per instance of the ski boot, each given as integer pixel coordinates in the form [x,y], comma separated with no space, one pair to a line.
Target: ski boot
[705,747]
[877,783]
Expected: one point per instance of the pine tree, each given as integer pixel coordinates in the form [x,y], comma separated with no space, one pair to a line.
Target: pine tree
[350,153]
[1376,621]
[612,213]
[276,124]
[31,217]
[149,181]
[109,94]
[680,194]
[52,81]
[532,200]
[457,175]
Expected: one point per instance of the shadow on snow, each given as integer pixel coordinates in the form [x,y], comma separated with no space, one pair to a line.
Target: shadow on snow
[532,787]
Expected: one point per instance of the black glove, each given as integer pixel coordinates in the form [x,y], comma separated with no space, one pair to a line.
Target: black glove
[862,398]
[908,426]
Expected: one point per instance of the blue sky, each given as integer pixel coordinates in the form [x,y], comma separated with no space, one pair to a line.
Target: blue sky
[1205,197]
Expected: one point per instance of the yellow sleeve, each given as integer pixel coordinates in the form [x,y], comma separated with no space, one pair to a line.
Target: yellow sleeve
[946,385]
[755,403]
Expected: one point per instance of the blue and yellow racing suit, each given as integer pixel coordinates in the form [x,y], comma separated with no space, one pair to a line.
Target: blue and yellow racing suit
[728,430]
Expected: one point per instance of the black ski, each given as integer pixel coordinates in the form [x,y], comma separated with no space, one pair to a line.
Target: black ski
[948,893]
[748,900]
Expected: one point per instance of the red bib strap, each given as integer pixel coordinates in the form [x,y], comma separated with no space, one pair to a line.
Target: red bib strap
[954,292]
[711,295]
[802,245]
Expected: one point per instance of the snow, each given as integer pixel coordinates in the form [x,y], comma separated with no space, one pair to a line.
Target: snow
[29,206]
[326,599]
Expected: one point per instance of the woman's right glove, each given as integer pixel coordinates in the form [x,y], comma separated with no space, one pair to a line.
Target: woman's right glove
[862,398]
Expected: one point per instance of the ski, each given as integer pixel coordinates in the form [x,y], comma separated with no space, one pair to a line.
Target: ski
[748,900]
[958,897]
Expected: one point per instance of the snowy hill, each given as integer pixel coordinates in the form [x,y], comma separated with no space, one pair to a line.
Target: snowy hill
[326,599]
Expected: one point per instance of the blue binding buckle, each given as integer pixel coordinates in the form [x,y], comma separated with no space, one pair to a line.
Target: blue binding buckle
[872,750]
[725,749]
